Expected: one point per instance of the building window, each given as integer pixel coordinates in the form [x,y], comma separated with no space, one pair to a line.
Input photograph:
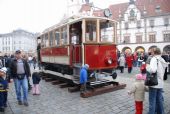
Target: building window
[138,39]
[132,13]
[126,39]
[138,24]
[152,23]
[166,37]
[126,25]
[166,21]
[152,38]
[158,9]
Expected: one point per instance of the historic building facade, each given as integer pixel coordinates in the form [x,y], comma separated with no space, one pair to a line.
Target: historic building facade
[18,39]
[142,24]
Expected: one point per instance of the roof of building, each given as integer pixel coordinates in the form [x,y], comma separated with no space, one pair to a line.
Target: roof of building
[152,8]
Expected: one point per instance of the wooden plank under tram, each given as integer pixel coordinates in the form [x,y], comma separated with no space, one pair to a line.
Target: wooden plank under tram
[74,89]
[48,79]
[44,76]
[56,82]
[105,89]
[64,85]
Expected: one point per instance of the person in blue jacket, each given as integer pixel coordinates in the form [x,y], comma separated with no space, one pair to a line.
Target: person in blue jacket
[3,89]
[83,77]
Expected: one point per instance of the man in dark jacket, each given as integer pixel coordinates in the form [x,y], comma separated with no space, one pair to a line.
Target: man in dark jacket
[20,71]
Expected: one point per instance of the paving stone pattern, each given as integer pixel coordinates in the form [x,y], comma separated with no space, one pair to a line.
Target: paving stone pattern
[54,100]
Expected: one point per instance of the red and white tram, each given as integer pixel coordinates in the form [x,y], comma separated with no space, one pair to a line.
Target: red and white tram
[67,46]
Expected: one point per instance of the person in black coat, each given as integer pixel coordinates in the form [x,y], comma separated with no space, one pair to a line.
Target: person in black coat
[36,80]
[165,57]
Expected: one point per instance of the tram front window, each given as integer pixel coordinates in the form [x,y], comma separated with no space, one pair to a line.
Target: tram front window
[91,31]
[106,31]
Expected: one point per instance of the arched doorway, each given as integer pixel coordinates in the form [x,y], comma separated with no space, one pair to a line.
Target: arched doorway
[127,50]
[166,49]
[149,50]
[140,49]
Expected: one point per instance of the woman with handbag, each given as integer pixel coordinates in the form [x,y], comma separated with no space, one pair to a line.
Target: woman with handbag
[157,65]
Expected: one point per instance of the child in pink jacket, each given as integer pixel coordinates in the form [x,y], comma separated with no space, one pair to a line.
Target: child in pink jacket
[138,90]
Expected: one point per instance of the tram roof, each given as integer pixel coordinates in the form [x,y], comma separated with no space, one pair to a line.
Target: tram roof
[72,20]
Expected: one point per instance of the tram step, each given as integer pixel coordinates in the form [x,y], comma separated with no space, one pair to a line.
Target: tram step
[100,82]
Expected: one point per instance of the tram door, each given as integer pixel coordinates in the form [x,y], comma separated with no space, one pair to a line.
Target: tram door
[75,43]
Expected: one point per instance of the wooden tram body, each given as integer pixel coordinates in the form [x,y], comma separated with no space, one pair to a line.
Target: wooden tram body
[67,46]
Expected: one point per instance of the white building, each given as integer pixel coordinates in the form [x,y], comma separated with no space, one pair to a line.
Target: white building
[18,39]
[144,24]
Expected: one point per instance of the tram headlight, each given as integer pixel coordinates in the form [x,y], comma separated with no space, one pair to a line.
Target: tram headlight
[109,61]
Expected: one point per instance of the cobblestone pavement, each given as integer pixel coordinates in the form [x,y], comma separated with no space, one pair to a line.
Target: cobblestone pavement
[54,100]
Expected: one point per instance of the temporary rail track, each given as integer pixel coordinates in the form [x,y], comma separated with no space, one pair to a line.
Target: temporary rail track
[93,88]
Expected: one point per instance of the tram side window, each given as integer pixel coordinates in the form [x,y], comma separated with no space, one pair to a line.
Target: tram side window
[57,37]
[51,38]
[106,31]
[64,36]
[46,40]
[91,30]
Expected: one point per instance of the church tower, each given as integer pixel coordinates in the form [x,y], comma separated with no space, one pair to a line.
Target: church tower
[74,6]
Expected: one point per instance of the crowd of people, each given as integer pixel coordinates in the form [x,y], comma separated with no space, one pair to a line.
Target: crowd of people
[16,69]
[136,59]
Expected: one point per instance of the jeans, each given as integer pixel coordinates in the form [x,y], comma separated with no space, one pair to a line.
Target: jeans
[24,84]
[155,101]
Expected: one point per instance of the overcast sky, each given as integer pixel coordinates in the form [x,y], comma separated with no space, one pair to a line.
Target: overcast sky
[36,15]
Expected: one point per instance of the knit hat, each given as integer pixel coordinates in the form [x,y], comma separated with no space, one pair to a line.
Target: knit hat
[86,66]
[140,77]
[3,69]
